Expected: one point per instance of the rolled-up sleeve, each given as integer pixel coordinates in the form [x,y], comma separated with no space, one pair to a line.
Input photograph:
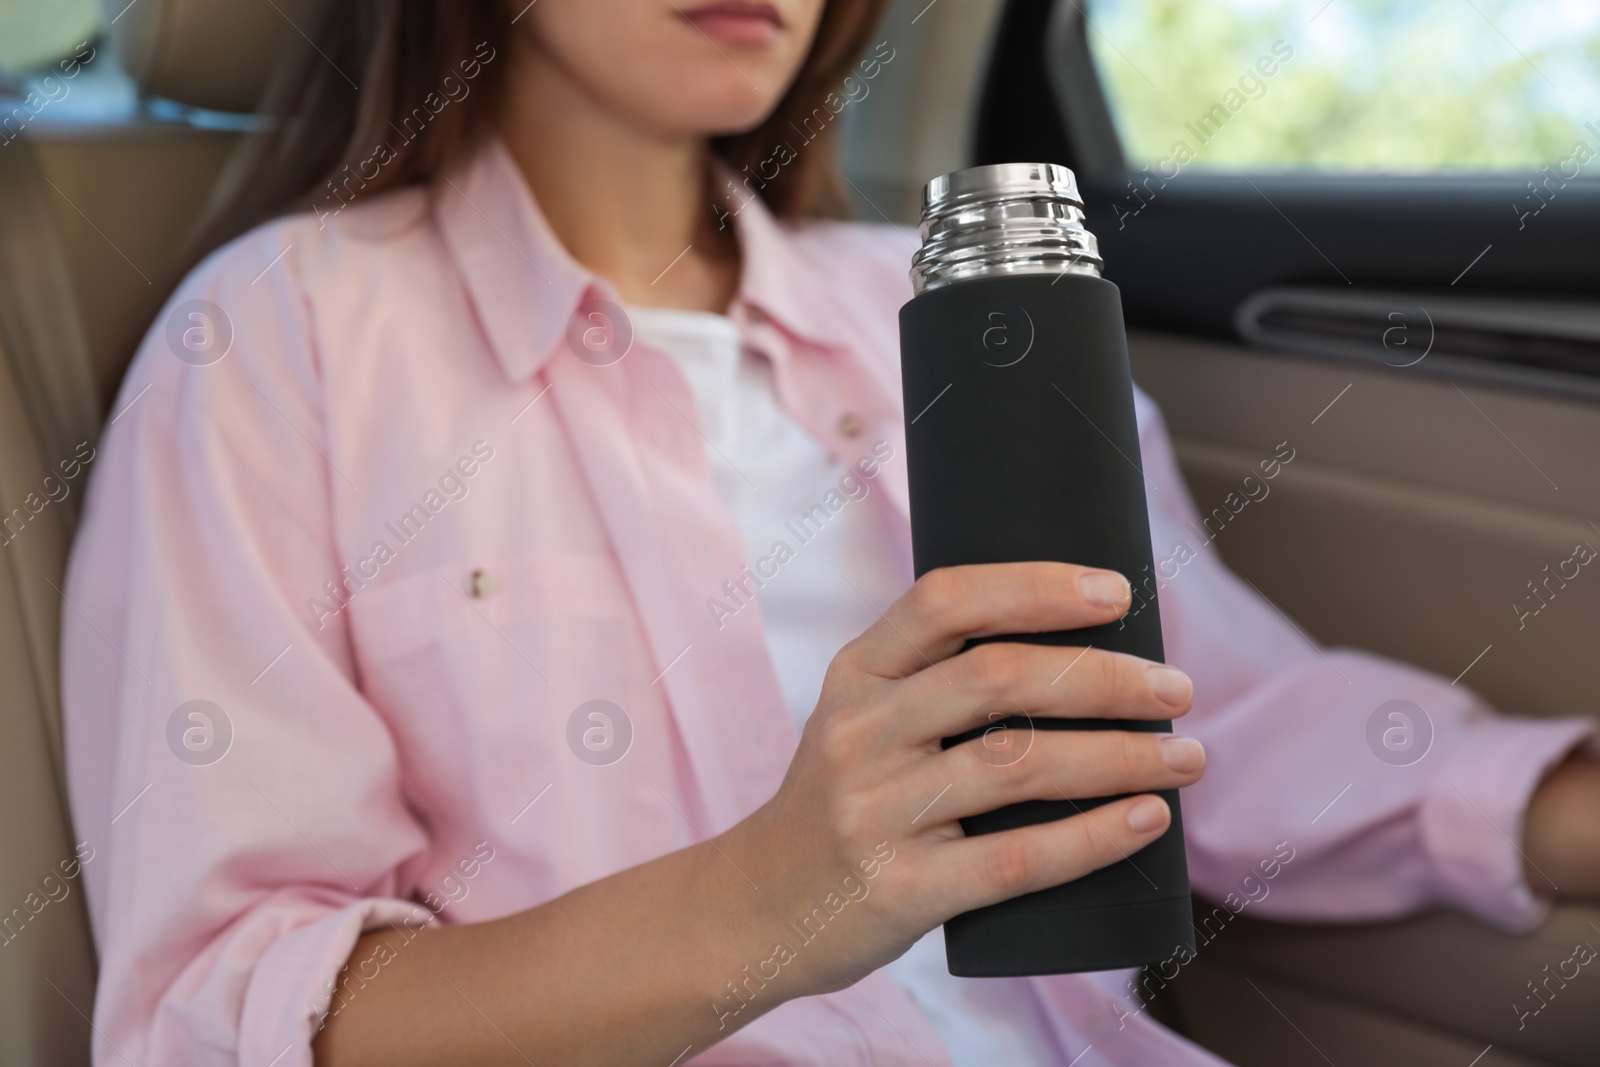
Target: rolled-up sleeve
[1300,815]
[242,797]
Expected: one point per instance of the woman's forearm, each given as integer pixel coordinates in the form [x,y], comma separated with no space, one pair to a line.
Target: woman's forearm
[625,970]
[838,874]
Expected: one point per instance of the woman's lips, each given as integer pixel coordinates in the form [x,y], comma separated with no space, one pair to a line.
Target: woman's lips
[735,21]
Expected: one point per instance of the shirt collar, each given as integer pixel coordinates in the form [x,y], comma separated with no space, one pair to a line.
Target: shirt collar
[520,279]
[526,287]
[776,278]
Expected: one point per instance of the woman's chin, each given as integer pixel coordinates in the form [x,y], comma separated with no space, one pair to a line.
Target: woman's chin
[717,118]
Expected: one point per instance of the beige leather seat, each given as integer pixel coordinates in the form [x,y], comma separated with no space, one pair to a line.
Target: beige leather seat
[47,407]
[93,227]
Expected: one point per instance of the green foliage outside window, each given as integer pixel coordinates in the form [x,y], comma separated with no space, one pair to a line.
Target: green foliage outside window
[1391,85]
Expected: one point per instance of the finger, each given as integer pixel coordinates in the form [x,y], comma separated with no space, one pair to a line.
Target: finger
[994,867]
[991,682]
[973,778]
[950,605]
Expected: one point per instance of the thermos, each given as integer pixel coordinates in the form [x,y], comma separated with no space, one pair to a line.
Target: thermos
[1021,444]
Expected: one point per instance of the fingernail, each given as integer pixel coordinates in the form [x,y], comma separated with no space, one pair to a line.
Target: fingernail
[1182,754]
[1170,686]
[1106,589]
[1147,815]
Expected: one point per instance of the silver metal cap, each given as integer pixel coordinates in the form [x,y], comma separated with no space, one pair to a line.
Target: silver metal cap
[1007,218]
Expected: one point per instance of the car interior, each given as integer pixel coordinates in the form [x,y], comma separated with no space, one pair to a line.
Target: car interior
[1444,410]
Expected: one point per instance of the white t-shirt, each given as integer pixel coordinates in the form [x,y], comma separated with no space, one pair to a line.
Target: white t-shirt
[770,470]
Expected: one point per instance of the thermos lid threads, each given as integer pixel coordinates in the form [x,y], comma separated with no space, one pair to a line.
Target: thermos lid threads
[1006,218]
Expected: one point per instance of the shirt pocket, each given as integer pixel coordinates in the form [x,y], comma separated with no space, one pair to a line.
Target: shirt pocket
[474,683]
[555,601]
[481,693]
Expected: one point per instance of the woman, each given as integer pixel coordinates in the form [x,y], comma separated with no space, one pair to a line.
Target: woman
[421,700]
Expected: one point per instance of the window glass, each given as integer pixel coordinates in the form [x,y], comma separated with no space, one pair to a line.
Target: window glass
[1394,85]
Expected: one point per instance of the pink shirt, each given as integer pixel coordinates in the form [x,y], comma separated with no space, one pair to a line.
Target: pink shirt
[400,535]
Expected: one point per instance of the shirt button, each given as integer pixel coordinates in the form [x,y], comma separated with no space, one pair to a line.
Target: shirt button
[479,584]
[850,425]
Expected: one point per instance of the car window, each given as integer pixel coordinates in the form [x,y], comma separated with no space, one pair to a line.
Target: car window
[1394,85]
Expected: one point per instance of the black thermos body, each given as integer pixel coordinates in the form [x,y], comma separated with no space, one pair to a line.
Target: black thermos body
[1021,444]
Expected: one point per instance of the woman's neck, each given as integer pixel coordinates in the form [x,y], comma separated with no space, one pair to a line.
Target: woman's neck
[632,206]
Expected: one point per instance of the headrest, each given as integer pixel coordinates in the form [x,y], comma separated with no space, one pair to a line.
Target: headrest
[213,54]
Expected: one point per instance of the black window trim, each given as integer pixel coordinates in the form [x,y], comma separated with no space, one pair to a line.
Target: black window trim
[1206,241]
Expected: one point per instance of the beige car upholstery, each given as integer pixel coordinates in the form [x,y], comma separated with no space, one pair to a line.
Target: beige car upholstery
[93,223]
[1437,989]
[1407,525]
[48,409]
[1415,514]
[214,54]
[124,200]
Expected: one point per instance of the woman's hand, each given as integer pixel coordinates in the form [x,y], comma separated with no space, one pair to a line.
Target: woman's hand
[868,811]
[1561,832]
[677,953]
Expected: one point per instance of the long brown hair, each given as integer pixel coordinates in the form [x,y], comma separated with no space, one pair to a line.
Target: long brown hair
[322,139]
